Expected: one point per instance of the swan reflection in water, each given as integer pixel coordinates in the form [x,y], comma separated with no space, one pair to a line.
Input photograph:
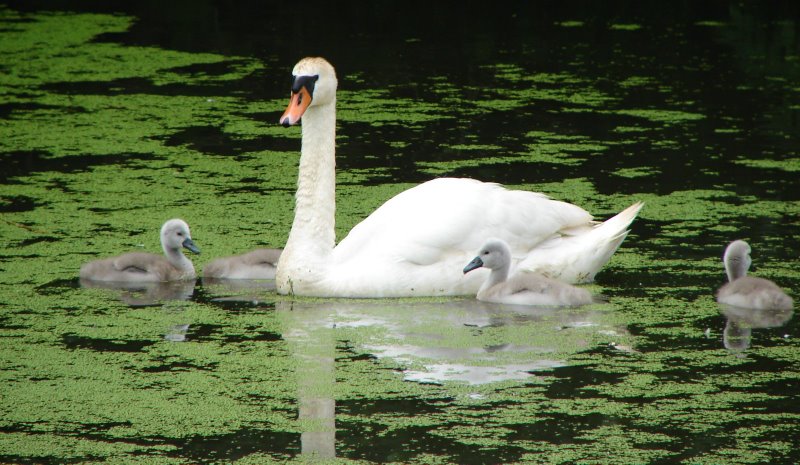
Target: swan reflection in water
[737,334]
[238,290]
[460,341]
[145,293]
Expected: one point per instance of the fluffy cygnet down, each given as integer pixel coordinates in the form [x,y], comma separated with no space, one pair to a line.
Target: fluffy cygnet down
[148,267]
[523,288]
[256,264]
[748,291]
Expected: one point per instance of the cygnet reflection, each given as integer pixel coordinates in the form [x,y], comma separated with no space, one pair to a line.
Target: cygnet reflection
[458,340]
[737,334]
[238,290]
[145,293]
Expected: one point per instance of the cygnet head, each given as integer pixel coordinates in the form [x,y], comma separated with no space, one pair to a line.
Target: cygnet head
[737,259]
[175,234]
[313,84]
[494,255]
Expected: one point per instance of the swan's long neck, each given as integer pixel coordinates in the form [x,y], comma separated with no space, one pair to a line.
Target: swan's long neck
[497,276]
[312,237]
[737,260]
[177,259]
[736,269]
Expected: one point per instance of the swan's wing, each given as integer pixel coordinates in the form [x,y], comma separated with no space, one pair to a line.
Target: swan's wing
[753,292]
[450,218]
[138,262]
[256,264]
[523,289]
[752,284]
[129,267]
[217,268]
[528,282]
[539,290]
[262,256]
[575,254]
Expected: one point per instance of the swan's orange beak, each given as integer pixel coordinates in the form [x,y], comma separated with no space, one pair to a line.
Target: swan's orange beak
[297,106]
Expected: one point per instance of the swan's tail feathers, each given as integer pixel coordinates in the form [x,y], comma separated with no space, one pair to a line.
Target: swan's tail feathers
[623,219]
[577,256]
[615,229]
[608,236]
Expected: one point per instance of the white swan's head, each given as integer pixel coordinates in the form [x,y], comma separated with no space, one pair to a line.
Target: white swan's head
[737,259]
[175,234]
[494,255]
[313,84]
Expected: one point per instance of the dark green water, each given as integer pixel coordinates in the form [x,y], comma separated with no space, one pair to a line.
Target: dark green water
[116,117]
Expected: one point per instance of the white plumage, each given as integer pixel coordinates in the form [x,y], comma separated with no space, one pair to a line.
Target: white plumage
[416,243]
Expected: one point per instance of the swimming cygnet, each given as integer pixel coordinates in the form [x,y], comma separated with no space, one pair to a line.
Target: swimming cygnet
[148,267]
[523,288]
[748,291]
[256,264]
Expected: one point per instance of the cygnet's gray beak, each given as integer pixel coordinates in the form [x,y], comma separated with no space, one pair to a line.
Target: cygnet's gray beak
[475,263]
[189,244]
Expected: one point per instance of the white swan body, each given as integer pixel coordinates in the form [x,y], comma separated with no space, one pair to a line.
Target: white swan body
[256,264]
[147,267]
[524,287]
[415,244]
[748,291]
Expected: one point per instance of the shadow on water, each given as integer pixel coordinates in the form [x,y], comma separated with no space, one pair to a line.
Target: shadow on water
[73,341]
[17,164]
[18,203]
[213,140]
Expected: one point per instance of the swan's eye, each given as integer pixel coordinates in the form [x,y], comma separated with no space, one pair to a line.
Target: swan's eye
[486,252]
[180,234]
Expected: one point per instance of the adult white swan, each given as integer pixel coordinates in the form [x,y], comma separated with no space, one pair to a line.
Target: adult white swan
[416,243]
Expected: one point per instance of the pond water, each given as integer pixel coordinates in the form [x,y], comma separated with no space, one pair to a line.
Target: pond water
[116,117]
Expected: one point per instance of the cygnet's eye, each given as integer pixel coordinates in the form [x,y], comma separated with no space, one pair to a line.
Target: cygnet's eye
[180,234]
[486,252]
